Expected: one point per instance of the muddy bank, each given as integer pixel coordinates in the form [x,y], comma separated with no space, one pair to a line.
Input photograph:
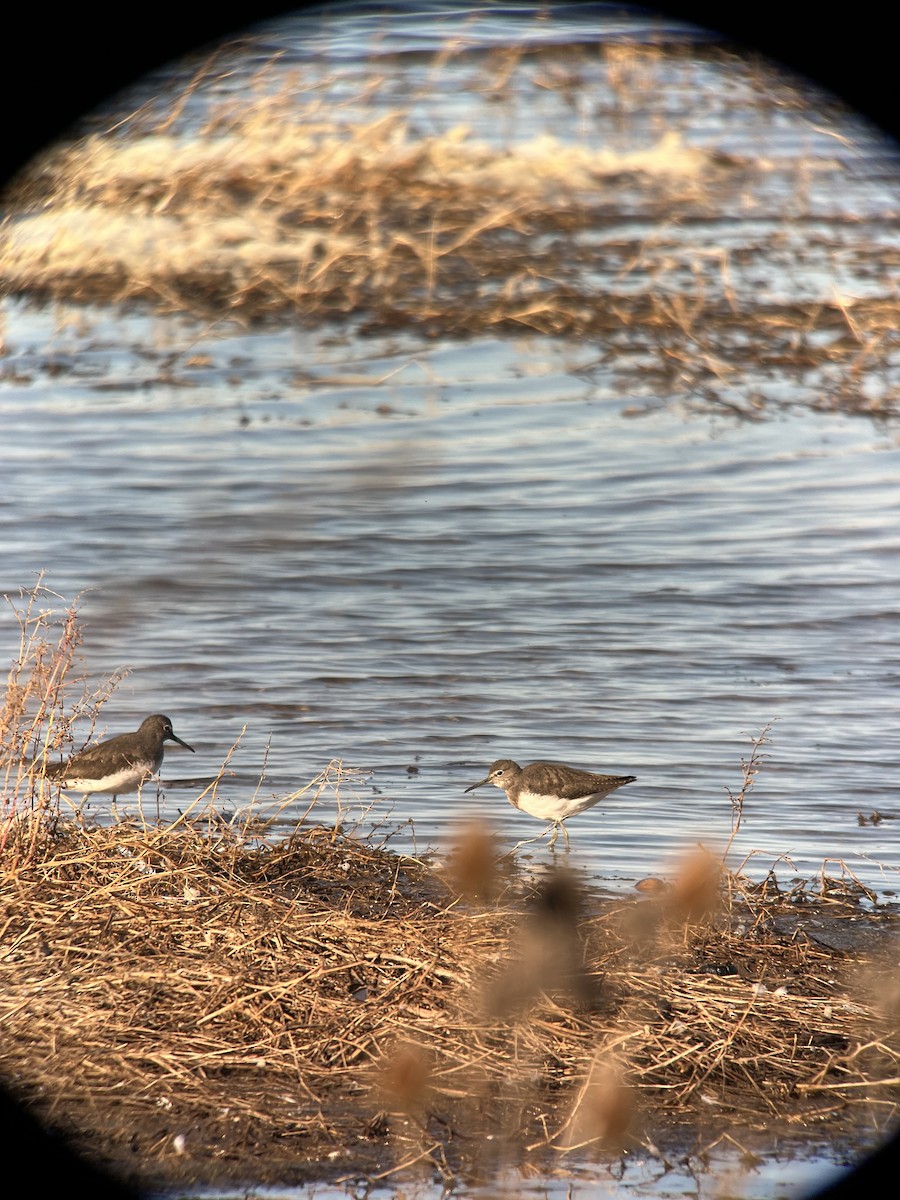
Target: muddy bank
[200,1005]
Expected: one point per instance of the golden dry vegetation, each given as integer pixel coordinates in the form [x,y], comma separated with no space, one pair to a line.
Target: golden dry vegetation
[287,206]
[203,1002]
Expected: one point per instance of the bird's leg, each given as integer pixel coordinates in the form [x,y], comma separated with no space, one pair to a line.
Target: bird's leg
[555,826]
[140,803]
[527,842]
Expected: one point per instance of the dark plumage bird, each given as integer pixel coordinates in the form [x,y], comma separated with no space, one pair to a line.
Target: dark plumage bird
[120,764]
[550,791]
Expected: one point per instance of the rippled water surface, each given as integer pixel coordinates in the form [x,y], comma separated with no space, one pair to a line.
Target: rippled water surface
[474,555]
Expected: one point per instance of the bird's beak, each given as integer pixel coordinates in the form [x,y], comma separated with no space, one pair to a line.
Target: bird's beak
[173,737]
[481,783]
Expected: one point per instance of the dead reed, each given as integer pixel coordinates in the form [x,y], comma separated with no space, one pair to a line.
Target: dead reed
[45,692]
[282,207]
[204,1002]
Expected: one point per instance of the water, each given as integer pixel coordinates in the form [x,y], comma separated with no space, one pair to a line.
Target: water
[416,554]
[501,565]
[637,1178]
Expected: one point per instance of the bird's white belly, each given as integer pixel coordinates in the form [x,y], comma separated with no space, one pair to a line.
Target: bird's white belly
[124,780]
[550,808]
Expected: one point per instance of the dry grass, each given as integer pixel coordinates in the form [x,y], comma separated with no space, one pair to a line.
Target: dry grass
[203,1002]
[308,216]
[285,206]
[45,693]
